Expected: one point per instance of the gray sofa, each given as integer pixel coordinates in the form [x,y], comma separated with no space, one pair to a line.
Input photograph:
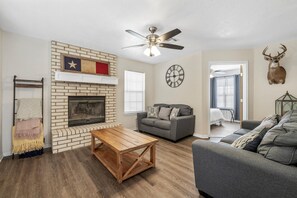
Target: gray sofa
[174,129]
[224,171]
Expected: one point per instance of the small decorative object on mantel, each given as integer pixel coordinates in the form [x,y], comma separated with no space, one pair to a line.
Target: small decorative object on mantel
[276,73]
[285,103]
[88,66]
[175,76]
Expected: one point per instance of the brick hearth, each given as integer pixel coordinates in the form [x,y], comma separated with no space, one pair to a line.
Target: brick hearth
[63,137]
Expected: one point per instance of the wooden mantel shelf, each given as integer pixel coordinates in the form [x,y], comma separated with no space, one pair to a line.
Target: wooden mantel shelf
[85,78]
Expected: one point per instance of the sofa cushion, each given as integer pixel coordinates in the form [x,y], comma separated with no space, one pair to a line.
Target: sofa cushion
[153,112]
[252,139]
[185,110]
[280,142]
[163,124]
[161,105]
[242,131]
[174,113]
[149,121]
[230,138]
[164,113]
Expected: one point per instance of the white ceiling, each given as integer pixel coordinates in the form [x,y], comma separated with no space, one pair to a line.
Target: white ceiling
[101,24]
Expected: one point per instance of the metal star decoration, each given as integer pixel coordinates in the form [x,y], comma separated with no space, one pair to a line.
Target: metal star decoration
[72,64]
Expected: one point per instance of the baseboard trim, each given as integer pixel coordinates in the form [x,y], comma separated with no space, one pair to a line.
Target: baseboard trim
[201,136]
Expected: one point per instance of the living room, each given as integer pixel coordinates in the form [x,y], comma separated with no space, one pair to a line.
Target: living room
[37,37]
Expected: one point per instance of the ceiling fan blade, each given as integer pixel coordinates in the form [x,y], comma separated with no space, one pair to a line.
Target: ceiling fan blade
[171,46]
[172,39]
[136,34]
[219,72]
[140,45]
[168,35]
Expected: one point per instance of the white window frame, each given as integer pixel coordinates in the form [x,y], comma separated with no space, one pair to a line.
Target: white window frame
[126,80]
[225,92]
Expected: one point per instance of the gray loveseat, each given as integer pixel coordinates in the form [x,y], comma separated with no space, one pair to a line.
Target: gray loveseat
[174,129]
[224,171]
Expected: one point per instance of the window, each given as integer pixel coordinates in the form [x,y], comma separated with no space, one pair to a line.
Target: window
[134,92]
[225,92]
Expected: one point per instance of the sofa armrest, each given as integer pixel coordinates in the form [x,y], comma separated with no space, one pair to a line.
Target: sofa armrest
[182,126]
[140,116]
[224,171]
[250,124]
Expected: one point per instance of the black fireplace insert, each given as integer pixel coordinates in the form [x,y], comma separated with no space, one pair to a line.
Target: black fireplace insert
[84,110]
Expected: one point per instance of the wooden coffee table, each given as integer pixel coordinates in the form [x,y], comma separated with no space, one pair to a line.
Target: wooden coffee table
[117,151]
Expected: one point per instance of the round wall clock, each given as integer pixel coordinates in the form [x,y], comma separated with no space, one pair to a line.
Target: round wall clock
[175,76]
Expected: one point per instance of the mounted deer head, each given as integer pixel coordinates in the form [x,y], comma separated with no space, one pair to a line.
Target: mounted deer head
[276,73]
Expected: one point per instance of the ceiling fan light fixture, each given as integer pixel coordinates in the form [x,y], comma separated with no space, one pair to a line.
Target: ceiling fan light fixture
[152,51]
[153,40]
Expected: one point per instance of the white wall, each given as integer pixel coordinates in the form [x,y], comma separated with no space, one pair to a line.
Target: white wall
[129,120]
[1,144]
[265,94]
[28,58]
[189,92]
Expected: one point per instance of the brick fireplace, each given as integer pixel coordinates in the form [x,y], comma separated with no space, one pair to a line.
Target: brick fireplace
[65,137]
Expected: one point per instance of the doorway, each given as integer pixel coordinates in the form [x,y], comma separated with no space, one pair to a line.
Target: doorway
[227,97]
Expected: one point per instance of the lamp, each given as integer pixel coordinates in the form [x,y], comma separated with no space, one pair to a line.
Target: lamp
[152,51]
[285,103]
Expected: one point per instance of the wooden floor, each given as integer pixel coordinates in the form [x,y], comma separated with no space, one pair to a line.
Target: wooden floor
[225,129]
[77,173]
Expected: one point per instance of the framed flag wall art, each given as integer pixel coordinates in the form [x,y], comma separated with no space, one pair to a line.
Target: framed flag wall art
[82,65]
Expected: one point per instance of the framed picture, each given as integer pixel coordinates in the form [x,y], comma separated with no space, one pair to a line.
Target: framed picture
[82,65]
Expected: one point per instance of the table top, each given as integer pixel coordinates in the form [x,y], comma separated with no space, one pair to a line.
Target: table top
[121,139]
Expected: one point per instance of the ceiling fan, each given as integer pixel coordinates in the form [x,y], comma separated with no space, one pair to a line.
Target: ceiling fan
[153,40]
[216,72]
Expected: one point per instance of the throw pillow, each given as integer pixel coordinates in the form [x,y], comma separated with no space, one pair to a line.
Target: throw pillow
[174,113]
[164,113]
[29,108]
[251,140]
[152,112]
[280,143]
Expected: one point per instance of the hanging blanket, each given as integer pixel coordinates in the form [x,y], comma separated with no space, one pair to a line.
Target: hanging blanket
[28,128]
[29,108]
[22,145]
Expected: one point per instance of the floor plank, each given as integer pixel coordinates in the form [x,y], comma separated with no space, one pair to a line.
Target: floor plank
[225,129]
[77,173]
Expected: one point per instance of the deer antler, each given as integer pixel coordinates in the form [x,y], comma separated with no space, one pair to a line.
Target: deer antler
[282,54]
[266,56]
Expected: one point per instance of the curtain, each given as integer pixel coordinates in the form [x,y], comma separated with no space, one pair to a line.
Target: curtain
[213,93]
[237,97]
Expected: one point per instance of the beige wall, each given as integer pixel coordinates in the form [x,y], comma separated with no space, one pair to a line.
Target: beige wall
[30,58]
[27,58]
[189,92]
[129,120]
[265,94]
[21,55]
[1,143]
[194,90]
